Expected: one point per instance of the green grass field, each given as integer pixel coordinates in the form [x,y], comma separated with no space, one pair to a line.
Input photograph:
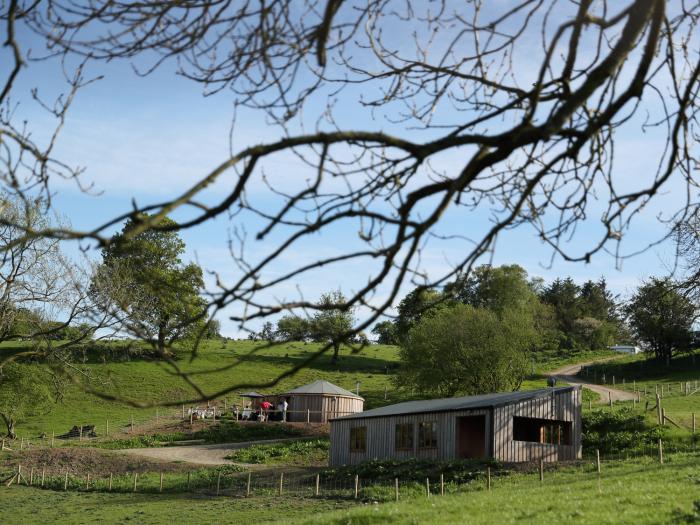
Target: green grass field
[148,381]
[636,492]
[639,491]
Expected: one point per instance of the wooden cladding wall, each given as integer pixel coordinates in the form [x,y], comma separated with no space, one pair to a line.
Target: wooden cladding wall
[321,407]
[561,406]
[381,435]
[499,443]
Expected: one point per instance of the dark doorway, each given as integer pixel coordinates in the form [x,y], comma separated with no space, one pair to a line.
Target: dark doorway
[471,437]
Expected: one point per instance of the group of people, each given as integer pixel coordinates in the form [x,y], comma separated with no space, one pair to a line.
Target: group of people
[266,411]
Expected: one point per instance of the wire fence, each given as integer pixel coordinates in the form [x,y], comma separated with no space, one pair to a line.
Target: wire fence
[220,483]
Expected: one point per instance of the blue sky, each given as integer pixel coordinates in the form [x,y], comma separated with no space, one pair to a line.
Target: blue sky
[147,138]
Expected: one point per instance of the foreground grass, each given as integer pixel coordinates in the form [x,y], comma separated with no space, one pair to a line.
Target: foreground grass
[33,506]
[636,492]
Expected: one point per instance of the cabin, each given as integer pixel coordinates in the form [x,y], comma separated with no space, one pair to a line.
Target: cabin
[320,401]
[512,427]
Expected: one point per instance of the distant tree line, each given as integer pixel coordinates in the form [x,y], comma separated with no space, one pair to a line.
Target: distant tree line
[481,332]
[332,323]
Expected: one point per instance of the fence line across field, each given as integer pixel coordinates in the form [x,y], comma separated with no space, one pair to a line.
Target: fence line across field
[217,483]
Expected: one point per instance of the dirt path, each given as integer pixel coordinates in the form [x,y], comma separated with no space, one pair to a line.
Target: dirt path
[568,375]
[199,454]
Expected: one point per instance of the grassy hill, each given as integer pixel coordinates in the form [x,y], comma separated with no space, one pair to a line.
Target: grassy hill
[152,381]
[147,380]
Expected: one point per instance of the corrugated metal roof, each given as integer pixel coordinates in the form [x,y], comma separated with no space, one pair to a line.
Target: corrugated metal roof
[455,403]
[323,387]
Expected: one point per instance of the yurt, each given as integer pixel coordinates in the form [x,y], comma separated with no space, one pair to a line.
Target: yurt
[320,401]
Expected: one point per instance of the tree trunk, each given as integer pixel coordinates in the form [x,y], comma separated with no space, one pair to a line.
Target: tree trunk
[161,338]
[10,424]
[336,351]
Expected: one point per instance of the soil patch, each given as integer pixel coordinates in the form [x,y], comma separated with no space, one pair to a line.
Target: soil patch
[78,461]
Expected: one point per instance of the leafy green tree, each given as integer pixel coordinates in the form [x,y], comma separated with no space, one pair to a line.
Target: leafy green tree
[293,328]
[564,297]
[413,306]
[333,321]
[460,349]
[507,292]
[23,392]
[386,333]
[598,302]
[213,329]
[143,280]
[661,317]
[496,288]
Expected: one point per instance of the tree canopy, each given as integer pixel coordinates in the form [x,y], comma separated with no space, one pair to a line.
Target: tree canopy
[662,317]
[460,349]
[143,280]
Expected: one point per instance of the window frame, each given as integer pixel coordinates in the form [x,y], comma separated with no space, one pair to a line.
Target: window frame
[433,425]
[354,438]
[410,435]
[547,431]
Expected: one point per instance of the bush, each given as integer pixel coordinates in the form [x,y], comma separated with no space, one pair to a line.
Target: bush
[294,453]
[618,431]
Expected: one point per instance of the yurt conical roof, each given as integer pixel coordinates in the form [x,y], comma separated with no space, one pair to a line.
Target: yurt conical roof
[322,387]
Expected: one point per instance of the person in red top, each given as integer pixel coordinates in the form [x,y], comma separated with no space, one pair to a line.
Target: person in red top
[265,405]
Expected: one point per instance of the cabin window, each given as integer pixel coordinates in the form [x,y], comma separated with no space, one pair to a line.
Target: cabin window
[549,431]
[427,434]
[358,439]
[404,436]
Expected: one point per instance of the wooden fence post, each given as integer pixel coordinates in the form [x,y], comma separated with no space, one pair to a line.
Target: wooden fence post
[488,478]
[281,482]
[110,483]
[31,476]
[53,436]
[183,411]
[610,398]
[661,452]
[396,488]
[87,482]
[308,415]
[385,388]
[597,460]
[136,477]
[663,416]
[65,482]
[318,484]
[43,475]
[442,484]
[427,487]
[80,433]
[541,470]
[160,488]
[658,408]
[218,483]
[247,488]
[106,427]
[357,486]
